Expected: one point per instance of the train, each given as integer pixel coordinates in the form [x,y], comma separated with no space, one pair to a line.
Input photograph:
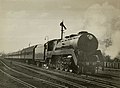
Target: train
[74,53]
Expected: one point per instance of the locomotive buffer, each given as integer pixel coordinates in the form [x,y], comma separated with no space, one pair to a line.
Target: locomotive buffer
[62,26]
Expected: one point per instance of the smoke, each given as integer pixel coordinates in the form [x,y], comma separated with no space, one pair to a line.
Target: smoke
[114,49]
[104,22]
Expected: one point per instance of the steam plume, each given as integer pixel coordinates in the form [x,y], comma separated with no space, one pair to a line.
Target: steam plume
[104,21]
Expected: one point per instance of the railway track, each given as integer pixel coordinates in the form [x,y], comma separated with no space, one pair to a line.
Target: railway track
[53,85]
[86,81]
[112,69]
[89,79]
[27,85]
[104,81]
[70,84]
[112,73]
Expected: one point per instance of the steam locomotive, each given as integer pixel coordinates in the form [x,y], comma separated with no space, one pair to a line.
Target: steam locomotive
[74,53]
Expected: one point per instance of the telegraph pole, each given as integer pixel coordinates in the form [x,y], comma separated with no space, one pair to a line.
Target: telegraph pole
[62,26]
[62,32]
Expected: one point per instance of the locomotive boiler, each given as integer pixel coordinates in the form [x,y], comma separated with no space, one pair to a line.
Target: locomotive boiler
[77,52]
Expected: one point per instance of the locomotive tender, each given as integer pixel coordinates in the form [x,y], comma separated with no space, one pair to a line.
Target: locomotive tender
[74,53]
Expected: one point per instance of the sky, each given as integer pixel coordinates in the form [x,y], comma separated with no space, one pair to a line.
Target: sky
[24,22]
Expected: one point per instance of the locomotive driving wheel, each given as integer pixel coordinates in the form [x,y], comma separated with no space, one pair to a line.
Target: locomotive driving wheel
[61,67]
[66,68]
[59,64]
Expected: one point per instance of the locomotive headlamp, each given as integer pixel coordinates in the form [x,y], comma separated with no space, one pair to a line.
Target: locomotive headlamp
[70,70]
[90,37]
[69,56]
